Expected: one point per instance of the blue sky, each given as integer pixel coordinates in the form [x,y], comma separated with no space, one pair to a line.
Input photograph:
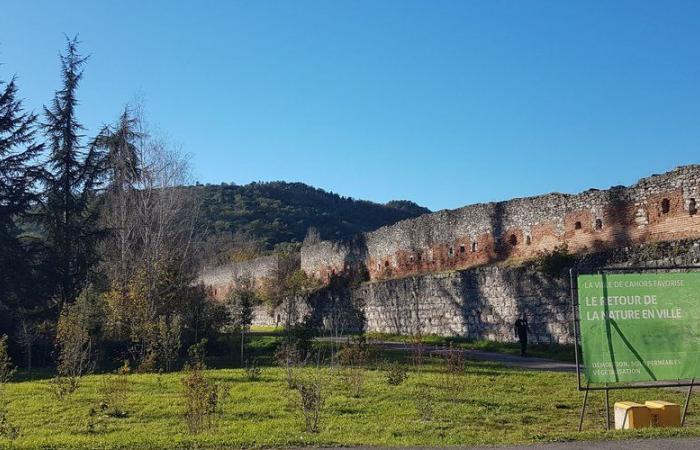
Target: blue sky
[444,103]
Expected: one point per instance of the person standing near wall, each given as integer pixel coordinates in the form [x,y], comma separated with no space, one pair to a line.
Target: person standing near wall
[521,328]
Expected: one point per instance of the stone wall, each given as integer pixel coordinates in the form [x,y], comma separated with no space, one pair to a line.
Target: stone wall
[221,279]
[658,208]
[484,302]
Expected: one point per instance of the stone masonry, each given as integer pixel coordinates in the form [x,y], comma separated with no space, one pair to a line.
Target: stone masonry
[657,208]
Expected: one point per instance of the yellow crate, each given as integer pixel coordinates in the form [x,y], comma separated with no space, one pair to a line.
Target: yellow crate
[664,414]
[631,415]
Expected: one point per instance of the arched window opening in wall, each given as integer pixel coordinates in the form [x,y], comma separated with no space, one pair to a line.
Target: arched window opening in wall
[411,258]
[528,240]
[692,207]
[665,206]
[598,224]
[513,240]
[462,249]
[420,257]
[473,247]
[577,225]
[386,263]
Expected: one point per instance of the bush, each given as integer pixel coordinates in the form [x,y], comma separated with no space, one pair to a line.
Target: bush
[311,403]
[61,387]
[418,352]
[201,399]
[8,430]
[253,372]
[288,358]
[97,419]
[424,399]
[396,373]
[454,366]
[353,357]
[114,392]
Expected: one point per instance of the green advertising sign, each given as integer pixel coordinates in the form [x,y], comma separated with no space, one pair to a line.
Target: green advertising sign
[640,326]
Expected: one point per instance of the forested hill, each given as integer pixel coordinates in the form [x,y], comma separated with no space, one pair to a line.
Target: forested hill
[277,212]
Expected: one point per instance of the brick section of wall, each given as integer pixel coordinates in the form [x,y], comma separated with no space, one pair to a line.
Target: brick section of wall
[657,208]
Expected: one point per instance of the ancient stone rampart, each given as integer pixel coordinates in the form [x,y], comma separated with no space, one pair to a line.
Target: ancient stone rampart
[657,208]
[484,302]
[221,279]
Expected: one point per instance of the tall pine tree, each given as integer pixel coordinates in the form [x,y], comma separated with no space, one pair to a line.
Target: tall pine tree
[18,174]
[119,146]
[69,214]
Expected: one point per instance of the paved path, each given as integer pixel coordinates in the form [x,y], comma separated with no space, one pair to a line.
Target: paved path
[653,444]
[530,363]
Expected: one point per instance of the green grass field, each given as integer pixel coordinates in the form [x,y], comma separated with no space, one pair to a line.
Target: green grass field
[489,404]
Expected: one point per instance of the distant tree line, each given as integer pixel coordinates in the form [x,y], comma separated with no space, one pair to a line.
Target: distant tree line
[275,216]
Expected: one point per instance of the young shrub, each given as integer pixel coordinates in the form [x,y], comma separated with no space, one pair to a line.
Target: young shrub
[202,396]
[418,352]
[114,392]
[61,387]
[287,357]
[311,402]
[74,344]
[253,372]
[96,422]
[424,400]
[353,358]
[200,399]
[395,373]
[8,430]
[454,366]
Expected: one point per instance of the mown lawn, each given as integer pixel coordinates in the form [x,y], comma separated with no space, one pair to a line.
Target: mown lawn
[489,404]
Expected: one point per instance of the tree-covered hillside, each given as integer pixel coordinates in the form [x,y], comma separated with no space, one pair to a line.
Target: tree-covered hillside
[277,212]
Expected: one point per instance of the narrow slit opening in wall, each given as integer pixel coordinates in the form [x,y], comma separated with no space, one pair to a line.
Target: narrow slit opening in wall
[462,249]
[598,224]
[665,206]
[473,247]
[528,240]
[386,263]
[692,207]
[451,251]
